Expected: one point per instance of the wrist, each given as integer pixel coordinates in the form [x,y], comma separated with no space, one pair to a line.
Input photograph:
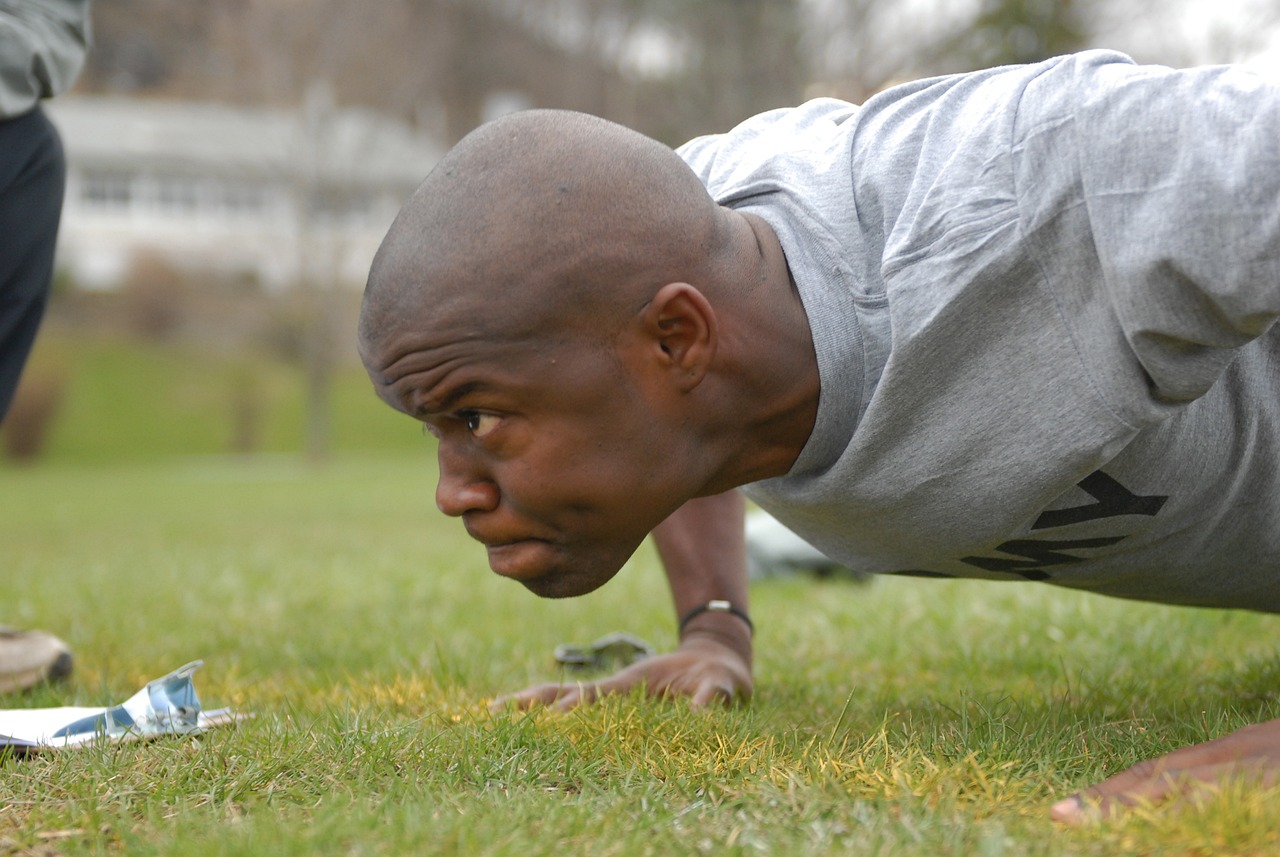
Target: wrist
[724,629]
[716,605]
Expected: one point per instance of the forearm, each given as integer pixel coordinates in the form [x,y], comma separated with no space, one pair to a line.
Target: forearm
[704,553]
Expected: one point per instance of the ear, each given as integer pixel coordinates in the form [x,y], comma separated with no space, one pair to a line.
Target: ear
[679,334]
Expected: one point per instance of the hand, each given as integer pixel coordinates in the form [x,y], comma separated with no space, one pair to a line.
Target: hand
[1252,751]
[705,668]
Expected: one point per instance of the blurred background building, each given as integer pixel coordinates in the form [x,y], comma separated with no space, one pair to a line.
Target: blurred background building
[258,195]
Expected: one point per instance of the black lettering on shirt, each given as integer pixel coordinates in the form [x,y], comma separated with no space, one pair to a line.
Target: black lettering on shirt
[1037,553]
[1113,500]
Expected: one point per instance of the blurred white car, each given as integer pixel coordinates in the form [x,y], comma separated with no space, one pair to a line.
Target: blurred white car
[775,551]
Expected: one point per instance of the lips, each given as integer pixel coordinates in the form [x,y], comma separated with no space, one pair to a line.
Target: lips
[485,529]
[543,566]
[522,559]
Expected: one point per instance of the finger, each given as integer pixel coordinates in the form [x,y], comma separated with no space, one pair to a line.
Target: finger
[1147,780]
[1150,783]
[1252,742]
[589,693]
[712,691]
[543,694]
[579,694]
[1073,810]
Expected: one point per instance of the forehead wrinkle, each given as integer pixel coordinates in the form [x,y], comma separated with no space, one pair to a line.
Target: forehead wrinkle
[416,388]
[421,368]
[413,344]
[407,361]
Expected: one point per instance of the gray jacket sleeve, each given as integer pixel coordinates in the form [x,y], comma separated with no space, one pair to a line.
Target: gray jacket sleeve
[42,48]
[1154,197]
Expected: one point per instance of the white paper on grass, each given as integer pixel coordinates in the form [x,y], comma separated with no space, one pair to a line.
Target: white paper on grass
[166,706]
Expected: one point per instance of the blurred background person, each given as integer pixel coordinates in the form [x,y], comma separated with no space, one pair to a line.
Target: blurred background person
[42,48]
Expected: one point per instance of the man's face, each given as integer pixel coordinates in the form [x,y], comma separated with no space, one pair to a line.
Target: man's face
[549,453]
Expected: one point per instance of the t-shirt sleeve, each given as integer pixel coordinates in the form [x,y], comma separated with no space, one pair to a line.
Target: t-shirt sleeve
[1154,197]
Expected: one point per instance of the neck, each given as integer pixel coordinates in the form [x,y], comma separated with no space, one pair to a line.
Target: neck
[771,368]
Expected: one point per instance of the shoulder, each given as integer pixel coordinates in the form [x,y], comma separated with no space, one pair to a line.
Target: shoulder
[758,148]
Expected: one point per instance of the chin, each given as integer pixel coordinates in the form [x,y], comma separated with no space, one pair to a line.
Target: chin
[565,585]
[571,579]
[552,573]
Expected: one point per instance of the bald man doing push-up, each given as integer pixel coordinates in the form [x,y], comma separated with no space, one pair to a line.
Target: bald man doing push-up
[1016,324]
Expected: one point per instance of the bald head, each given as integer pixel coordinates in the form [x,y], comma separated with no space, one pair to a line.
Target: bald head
[591,339]
[542,216]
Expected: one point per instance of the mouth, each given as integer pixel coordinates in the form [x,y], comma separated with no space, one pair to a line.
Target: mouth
[548,567]
[519,559]
[538,566]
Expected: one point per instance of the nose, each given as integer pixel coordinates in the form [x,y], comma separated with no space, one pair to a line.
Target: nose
[461,488]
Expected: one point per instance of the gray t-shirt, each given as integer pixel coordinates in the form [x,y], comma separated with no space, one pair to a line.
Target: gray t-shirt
[1042,299]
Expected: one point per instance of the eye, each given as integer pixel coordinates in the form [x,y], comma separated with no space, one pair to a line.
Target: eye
[479,424]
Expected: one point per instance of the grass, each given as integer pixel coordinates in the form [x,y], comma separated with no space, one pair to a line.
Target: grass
[127,401]
[365,636]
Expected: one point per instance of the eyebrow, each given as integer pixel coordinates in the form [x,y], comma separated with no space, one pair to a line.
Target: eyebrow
[450,399]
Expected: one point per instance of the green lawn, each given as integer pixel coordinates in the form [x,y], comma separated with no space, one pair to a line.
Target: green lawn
[364,634]
[127,401]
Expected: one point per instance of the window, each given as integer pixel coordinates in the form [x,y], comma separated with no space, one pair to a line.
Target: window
[106,191]
[177,194]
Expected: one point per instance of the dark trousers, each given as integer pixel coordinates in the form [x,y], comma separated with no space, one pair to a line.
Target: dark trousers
[32,176]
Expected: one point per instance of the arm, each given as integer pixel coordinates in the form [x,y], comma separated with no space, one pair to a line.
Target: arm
[1191,244]
[702,549]
[704,553]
